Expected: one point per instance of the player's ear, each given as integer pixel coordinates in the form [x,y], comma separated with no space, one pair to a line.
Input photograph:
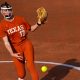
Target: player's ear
[1,11]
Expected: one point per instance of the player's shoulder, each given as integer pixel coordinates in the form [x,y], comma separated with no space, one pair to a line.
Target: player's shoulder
[2,22]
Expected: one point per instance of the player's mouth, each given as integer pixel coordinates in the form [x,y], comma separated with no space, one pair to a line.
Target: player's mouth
[9,16]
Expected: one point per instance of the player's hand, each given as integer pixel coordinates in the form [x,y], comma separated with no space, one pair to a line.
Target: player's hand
[39,21]
[42,15]
[17,55]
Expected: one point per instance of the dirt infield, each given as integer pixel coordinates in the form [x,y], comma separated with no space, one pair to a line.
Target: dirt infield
[57,41]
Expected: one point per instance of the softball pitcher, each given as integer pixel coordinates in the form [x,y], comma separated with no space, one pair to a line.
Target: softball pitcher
[13,31]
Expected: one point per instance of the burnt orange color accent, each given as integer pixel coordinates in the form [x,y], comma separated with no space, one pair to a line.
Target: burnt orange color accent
[12,29]
[17,31]
[27,51]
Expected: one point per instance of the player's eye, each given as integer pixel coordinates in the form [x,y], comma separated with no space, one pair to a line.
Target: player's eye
[5,10]
[9,9]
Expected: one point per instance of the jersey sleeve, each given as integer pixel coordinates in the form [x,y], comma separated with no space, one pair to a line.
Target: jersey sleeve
[2,31]
[27,25]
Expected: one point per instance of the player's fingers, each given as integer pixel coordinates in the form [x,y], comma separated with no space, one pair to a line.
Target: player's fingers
[39,21]
[20,57]
[19,54]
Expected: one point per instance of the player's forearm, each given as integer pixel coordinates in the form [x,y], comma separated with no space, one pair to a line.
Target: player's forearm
[9,48]
[34,27]
[7,45]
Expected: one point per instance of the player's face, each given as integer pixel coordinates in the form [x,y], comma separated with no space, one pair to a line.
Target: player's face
[7,13]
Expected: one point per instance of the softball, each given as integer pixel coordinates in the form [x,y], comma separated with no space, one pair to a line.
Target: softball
[44,68]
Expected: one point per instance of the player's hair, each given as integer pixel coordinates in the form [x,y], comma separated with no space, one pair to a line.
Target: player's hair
[5,4]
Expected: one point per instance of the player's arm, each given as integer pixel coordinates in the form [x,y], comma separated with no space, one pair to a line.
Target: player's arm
[8,46]
[42,17]
[35,26]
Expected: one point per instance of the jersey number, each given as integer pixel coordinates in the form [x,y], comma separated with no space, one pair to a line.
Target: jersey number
[22,33]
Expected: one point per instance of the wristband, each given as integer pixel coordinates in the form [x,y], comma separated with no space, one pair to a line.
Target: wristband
[38,24]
